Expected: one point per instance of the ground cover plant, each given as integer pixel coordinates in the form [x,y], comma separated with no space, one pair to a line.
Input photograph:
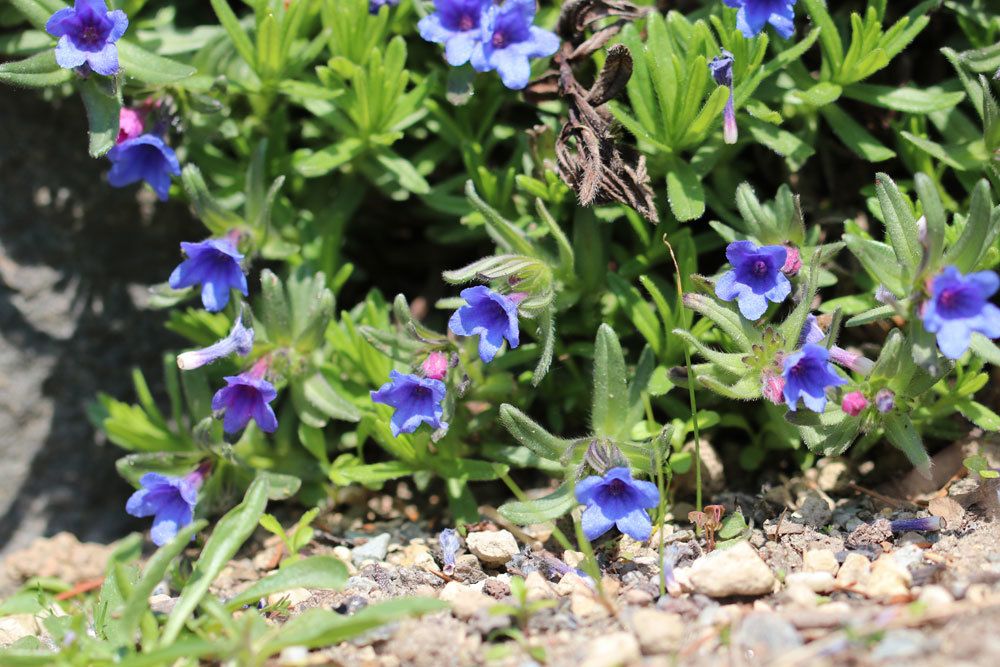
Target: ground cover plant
[473,246]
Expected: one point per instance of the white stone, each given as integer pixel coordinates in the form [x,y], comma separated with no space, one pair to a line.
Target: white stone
[854,572]
[492,548]
[465,601]
[817,582]
[611,650]
[738,570]
[820,560]
[888,579]
[295,596]
[657,631]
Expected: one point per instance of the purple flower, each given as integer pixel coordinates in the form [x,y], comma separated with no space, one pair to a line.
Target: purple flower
[144,158]
[456,24]
[923,523]
[853,361]
[416,400]
[87,34]
[239,340]
[721,68]
[753,15]
[375,5]
[617,500]
[508,39]
[449,549]
[169,500]
[755,279]
[247,396]
[959,306]
[490,315]
[215,265]
[807,374]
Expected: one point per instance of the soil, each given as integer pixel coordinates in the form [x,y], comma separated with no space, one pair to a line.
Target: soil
[76,257]
[821,576]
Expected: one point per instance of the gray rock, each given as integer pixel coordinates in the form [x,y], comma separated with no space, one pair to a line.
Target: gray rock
[738,570]
[374,549]
[899,644]
[766,635]
[657,631]
[611,650]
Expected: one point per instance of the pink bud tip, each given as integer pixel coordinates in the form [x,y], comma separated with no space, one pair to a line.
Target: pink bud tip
[130,124]
[517,297]
[435,366]
[774,388]
[793,261]
[853,403]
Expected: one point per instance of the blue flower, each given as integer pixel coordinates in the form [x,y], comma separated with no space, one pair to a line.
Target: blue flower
[490,315]
[416,400]
[87,34]
[239,340]
[755,14]
[959,306]
[755,279]
[456,24]
[375,5]
[617,500]
[508,39]
[144,158]
[449,549]
[215,265]
[169,500]
[247,396]
[721,68]
[807,373]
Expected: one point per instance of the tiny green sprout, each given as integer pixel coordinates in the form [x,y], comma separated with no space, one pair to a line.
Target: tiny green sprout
[979,465]
[522,609]
[300,536]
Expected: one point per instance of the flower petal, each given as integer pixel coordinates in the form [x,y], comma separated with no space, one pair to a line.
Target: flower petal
[636,524]
[594,522]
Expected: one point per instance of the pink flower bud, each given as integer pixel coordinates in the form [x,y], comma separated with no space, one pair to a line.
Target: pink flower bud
[435,366]
[853,403]
[130,124]
[793,261]
[773,388]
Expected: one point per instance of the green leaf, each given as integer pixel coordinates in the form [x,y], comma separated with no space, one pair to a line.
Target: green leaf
[321,395]
[237,35]
[147,67]
[980,230]
[315,573]
[103,108]
[527,432]
[934,214]
[322,162]
[900,224]
[137,603]
[903,434]
[36,12]
[829,38]
[684,191]
[610,399]
[782,142]
[855,137]
[869,316]
[409,178]
[230,533]
[543,509]
[38,71]
[979,414]
[321,627]
[985,349]
[820,94]
[907,100]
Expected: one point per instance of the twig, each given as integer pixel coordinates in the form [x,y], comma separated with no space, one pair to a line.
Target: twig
[81,588]
[881,497]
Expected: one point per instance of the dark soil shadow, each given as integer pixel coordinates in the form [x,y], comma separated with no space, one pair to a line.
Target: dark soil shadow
[75,258]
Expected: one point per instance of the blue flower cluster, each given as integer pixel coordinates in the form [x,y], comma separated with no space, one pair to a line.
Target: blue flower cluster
[491,36]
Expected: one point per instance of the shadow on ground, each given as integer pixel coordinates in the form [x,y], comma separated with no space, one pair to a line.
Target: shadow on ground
[75,259]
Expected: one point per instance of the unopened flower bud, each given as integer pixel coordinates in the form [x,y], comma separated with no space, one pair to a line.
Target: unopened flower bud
[885,400]
[854,403]
[435,366]
[773,388]
[793,261]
